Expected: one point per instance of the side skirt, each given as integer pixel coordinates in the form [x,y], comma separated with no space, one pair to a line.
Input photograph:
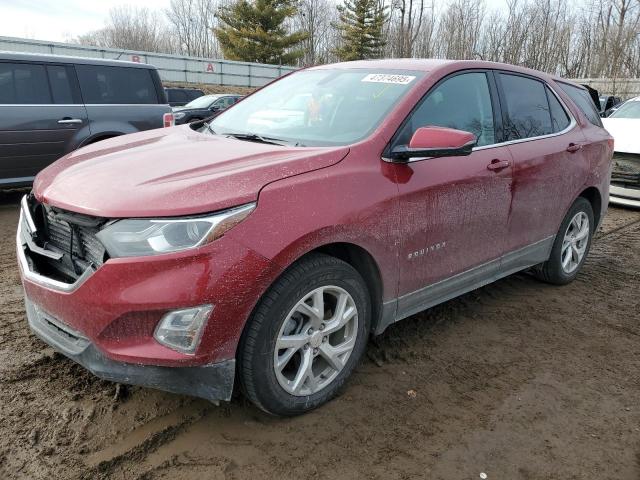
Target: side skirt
[434,294]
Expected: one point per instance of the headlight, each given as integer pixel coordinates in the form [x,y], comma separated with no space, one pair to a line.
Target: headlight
[178,116]
[139,237]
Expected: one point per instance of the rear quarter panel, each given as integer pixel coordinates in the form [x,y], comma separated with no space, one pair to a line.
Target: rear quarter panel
[123,119]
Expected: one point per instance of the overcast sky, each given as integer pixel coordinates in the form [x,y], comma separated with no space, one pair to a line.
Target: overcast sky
[59,20]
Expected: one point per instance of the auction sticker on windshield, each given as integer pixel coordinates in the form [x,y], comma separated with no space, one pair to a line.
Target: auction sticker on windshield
[388,78]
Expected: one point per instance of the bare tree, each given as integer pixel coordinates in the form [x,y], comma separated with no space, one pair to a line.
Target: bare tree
[316,17]
[192,23]
[131,29]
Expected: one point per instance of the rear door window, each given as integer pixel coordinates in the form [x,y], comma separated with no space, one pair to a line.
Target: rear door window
[582,99]
[116,85]
[462,102]
[559,118]
[193,94]
[527,107]
[178,96]
[23,83]
[61,86]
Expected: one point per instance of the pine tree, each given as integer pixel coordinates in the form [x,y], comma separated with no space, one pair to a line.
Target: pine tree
[253,31]
[360,26]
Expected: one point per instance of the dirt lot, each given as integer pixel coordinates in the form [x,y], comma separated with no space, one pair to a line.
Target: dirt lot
[518,380]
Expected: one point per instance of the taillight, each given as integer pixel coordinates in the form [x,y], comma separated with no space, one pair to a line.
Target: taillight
[611,143]
[168,120]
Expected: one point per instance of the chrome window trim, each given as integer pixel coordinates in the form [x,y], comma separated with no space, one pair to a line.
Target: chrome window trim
[572,123]
[36,277]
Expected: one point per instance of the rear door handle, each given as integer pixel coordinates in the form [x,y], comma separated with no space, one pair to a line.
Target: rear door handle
[574,147]
[498,164]
[70,121]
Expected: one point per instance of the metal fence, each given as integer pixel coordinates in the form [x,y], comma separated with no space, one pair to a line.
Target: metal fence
[172,68]
[622,87]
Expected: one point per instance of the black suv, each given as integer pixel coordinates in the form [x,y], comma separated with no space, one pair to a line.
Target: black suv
[204,107]
[51,105]
[178,96]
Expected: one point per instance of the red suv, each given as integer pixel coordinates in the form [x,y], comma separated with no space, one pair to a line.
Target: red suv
[265,253]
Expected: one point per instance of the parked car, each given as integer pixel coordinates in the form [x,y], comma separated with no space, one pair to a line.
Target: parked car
[286,112]
[203,107]
[608,102]
[624,125]
[51,105]
[178,96]
[193,259]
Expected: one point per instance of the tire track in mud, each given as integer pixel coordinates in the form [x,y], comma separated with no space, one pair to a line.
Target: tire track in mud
[138,445]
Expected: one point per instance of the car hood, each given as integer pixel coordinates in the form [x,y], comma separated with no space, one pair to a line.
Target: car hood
[625,133]
[171,171]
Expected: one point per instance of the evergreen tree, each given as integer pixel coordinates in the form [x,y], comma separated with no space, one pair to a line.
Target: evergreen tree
[253,31]
[360,26]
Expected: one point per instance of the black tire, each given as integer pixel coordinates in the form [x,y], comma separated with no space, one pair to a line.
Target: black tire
[552,271]
[256,374]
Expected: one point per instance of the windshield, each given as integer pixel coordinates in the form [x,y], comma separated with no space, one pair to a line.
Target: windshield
[201,102]
[318,107]
[631,109]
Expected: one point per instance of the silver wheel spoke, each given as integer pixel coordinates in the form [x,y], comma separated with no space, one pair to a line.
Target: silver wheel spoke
[308,310]
[304,372]
[345,311]
[333,355]
[582,234]
[283,359]
[292,341]
[566,257]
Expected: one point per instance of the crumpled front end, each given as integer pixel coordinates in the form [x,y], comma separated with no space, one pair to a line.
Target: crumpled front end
[103,312]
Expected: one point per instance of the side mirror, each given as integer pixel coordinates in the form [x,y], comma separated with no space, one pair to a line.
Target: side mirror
[214,108]
[435,142]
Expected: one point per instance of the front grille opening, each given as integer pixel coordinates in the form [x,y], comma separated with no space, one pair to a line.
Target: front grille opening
[71,234]
[626,170]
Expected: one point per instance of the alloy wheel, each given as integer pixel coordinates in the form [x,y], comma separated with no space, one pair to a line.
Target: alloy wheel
[315,340]
[574,244]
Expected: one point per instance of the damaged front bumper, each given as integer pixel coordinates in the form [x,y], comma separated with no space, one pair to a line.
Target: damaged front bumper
[212,382]
[625,180]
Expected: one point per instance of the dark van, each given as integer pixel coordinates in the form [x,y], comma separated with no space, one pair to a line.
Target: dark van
[51,105]
[179,96]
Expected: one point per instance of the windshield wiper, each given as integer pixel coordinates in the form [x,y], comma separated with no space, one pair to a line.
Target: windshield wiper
[254,137]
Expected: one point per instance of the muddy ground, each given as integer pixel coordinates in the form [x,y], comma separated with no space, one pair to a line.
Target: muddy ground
[518,380]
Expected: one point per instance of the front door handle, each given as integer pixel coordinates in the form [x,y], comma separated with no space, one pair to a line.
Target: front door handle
[574,147]
[70,121]
[498,164]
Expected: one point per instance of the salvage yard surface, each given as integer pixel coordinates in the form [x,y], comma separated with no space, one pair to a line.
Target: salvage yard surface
[517,380]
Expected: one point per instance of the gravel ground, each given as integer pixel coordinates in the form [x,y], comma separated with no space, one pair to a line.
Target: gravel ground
[517,380]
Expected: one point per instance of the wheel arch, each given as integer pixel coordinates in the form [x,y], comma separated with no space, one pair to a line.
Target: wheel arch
[365,264]
[99,137]
[592,194]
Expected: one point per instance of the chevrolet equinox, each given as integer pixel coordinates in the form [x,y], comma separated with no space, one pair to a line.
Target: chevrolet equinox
[264,254]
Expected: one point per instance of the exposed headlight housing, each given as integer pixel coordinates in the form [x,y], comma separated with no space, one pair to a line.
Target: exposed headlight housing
[181,330]
[140,237]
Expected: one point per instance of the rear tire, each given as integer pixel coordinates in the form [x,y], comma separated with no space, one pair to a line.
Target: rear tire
[305,337]
[571,246]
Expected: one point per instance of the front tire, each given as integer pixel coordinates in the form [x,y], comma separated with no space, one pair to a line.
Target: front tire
[571,245]
[305,337]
